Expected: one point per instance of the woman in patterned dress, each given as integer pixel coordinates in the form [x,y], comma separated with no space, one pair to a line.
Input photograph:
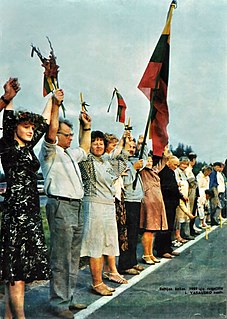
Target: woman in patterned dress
[23,253]
[100,237]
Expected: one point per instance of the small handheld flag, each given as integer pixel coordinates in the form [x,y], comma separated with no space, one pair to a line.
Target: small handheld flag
[50,79]
[121,110]
[83,103]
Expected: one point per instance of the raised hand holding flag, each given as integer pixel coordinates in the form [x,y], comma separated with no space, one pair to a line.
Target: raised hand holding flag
[50,79]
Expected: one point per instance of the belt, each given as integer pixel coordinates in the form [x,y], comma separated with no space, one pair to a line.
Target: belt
[67,199]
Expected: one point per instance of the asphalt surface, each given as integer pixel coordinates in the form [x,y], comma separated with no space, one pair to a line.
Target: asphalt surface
[192,285]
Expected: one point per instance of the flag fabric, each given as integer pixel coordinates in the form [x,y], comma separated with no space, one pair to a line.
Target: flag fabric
[154,84]
[50,79]
[121,109]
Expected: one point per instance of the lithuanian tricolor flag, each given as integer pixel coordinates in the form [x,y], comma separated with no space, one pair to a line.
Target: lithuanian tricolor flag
[154,84]
[121,106]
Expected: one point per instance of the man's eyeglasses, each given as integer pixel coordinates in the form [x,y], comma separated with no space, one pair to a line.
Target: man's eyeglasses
[65,134]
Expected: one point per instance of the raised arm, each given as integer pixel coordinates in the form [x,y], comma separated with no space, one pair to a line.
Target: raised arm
[161,164]
[85,132]
[11,88]
[53,108]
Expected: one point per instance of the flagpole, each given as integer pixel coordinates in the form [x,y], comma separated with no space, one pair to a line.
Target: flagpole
[147,126]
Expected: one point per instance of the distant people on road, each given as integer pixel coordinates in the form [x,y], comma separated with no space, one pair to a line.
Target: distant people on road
[224,172]
[23,255]
[64,208]
[222,188]
[192,192]
[214,187]
[183,213]
[203,181]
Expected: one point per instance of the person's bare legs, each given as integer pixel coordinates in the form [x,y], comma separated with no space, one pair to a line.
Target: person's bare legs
[96,266]
[14,298]
[147,242]
[112,272]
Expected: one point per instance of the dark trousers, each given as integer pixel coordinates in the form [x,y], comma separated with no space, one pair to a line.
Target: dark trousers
[163,242]
[128,258]
[163,239]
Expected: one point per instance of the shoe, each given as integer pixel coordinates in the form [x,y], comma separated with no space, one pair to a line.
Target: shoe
[189,237]
[175,253]
[101,289]
[214,223]
[77,306]
[195,233]
[196,229]
[138,267]
[66,314]
[131,271]
[115,277]
[155,259]
[176,243]
[167,255]
[147,260]
[181,240]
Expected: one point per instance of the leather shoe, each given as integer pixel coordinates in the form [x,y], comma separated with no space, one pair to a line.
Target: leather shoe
[214,223]
[64,314]
[167,255]
[139,267]
[189,237]
[77,306]
[175,253]
[131,271]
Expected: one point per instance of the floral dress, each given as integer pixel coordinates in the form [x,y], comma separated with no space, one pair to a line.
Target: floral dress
[23,253]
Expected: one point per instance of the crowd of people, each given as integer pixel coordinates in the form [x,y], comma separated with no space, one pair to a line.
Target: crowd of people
[102,198]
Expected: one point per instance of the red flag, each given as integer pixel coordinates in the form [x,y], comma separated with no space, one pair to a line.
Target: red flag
[155,79]
[121,109]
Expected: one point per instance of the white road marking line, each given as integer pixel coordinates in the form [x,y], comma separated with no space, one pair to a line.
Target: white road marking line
[82,314]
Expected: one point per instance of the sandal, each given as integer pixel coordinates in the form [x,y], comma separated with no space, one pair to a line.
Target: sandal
[138,267]
[109,288]
[101,289]
[115,277]
[147,260]
[154,259]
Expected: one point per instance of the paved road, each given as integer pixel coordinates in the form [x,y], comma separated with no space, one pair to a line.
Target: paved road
[192,285]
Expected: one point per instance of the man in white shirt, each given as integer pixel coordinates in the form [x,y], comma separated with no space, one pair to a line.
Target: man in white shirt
[64,188]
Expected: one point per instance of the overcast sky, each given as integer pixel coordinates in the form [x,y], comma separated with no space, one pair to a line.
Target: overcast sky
[102,44]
